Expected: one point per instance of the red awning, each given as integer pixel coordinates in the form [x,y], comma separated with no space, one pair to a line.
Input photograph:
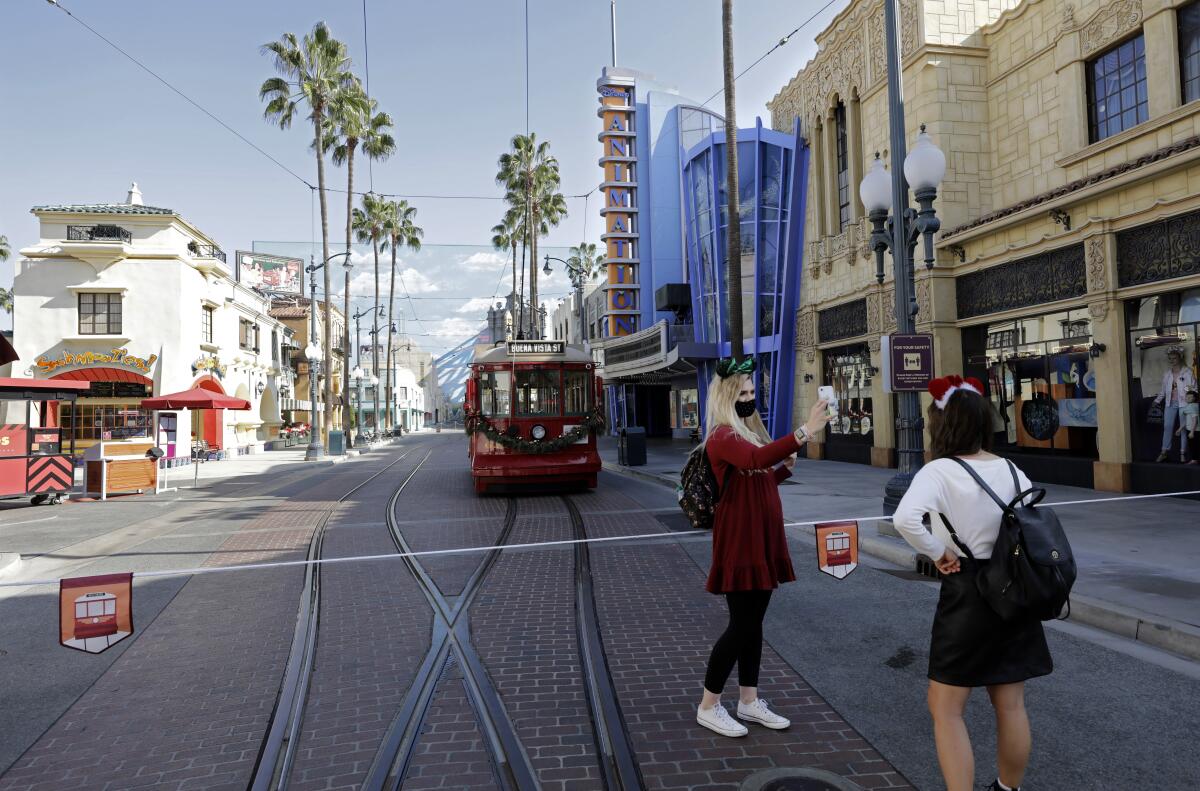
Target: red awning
[197,398]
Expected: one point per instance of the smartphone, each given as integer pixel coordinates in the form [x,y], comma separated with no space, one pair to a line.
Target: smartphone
[825,393]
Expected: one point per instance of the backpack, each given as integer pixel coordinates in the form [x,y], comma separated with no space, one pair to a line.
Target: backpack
[1032,567]
[698,491]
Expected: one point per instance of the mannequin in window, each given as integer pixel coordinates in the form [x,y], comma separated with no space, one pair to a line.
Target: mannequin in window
[1177,381]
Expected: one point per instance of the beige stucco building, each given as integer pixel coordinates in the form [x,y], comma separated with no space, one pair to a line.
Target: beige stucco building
[1069,258]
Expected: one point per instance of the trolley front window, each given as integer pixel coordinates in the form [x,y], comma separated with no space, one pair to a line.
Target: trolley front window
[576,392]
[537,394]
[494,389]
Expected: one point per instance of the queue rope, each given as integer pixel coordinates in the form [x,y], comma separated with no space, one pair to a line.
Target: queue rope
[674,536]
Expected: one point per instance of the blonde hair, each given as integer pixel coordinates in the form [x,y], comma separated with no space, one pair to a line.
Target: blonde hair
[720,411]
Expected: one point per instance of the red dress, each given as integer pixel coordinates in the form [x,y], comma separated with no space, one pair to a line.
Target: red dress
[750,550]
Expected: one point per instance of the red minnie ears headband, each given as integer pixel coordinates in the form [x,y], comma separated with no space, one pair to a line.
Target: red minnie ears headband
[942,389]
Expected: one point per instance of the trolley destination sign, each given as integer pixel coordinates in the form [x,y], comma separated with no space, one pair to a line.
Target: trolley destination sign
[517,348]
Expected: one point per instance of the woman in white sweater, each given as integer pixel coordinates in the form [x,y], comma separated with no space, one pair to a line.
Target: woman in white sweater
[970,645]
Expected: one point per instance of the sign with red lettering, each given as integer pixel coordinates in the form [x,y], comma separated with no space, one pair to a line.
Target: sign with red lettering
[837,548]
[95,613]
[12,439]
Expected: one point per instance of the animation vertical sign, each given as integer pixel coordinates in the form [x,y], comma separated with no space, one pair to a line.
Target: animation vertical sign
[618,137]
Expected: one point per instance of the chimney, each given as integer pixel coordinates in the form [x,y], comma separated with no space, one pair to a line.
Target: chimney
[134,197]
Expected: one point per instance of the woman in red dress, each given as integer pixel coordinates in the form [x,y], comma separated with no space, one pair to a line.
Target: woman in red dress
[750,552]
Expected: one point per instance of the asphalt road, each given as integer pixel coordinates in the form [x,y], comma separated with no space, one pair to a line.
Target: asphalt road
[1113,715]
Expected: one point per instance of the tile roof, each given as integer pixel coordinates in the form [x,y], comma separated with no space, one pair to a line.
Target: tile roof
[101,208]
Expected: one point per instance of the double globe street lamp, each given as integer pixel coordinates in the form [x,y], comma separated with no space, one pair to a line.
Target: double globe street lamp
[576,273]
[896,228]
[315,355]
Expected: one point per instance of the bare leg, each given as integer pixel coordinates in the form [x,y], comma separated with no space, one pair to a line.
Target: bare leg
[1013,740]
[748,694]
[709,700]
[946,704]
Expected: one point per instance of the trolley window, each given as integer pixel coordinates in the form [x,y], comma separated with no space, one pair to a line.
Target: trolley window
[494,390]
[537,394]
[576,392]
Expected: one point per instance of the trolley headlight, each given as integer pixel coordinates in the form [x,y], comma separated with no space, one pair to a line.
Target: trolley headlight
[538,432]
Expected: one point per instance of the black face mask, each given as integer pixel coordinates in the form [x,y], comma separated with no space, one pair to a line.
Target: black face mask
[744,408]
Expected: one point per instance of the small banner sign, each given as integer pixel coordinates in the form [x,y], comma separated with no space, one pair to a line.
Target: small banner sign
[95,613]
[517,348]
[837,548]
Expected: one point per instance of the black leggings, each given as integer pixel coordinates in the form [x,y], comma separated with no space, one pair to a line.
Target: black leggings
[741,643]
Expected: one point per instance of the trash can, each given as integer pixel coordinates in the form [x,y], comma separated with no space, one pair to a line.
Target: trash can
[631,447]
[337,443]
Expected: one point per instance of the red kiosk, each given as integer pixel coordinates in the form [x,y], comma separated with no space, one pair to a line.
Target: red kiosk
[32,461]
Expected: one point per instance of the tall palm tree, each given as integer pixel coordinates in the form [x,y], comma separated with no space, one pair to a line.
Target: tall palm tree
[6,296]
[353,121]
[402,232]
[370,225]
[733,230]
[506,235]
[585,260]
[529,169]
[313,70]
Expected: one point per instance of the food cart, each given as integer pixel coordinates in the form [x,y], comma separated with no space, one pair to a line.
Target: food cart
[32,461]
[123,466]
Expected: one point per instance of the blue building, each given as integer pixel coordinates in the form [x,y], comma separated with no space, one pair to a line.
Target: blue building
[669,235]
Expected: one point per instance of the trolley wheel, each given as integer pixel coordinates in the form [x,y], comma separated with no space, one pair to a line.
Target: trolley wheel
[38,499]
[56,499]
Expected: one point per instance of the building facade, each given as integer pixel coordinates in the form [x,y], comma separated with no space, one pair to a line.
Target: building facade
[296,313]
[1065,271]
[140,302]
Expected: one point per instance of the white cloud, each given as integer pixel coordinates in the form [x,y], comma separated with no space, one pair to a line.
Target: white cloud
[485,262]
[454,328]
[477,305]
[417,283]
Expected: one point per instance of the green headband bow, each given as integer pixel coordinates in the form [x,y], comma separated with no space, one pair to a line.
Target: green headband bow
[728,367]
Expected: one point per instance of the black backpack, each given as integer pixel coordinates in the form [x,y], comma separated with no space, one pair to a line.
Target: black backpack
[698,491]
[1032,567]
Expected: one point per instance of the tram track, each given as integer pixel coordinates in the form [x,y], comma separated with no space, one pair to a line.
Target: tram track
[450,640]
[278,750]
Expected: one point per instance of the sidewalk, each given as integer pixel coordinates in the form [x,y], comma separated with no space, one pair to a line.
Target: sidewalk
[1137,572]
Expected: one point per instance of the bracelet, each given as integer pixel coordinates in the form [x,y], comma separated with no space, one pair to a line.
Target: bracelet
[802,435]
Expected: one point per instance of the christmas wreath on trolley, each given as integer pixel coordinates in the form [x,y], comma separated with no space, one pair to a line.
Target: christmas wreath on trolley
[479,424]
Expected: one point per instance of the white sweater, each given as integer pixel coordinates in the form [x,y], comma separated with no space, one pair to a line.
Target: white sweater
[943,487]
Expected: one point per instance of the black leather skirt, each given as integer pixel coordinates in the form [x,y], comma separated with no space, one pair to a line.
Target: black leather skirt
[972,647]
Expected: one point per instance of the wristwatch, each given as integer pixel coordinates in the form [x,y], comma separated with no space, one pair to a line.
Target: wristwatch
[802,435]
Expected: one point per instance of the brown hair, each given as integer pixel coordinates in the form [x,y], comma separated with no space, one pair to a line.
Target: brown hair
[963,428]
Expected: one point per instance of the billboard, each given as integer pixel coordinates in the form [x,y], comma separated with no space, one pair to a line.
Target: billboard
[273,273]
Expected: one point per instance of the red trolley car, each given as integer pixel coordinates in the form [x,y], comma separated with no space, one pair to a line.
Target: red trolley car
[533,410]
[33,461]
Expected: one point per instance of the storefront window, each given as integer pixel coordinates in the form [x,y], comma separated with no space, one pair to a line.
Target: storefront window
[848,370]
[537,394]
[494,391]
[1040,380]
[689,408]
[1163,348]
[575,392]
[104,422]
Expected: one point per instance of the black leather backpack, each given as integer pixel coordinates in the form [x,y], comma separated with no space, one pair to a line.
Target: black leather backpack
[1032,567]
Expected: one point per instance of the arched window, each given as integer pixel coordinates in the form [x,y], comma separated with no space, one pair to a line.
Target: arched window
[843,166]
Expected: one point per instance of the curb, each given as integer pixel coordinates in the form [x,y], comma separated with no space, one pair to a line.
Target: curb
[1162,633]
[9,563]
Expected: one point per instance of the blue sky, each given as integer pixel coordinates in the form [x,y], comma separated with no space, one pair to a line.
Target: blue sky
[82,121]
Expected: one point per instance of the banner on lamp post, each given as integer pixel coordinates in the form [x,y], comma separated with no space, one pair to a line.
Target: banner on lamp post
[95,613]
[907,361]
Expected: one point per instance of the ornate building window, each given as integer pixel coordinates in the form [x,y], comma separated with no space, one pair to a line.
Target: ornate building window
[1117,93]
[99,314]
[1189,50]
[843,166]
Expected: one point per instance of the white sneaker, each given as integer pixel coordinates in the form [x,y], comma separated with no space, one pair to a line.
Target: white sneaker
[717,719]
[758,712]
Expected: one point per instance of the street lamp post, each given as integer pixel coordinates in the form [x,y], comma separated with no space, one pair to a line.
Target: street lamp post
[357,376]
[898,233]
[576,274]
[358,436]
[316,449]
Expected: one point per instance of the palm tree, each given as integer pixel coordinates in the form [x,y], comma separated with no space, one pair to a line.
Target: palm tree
[733,230]
[352,121]
[313,70]
[586,261]
[530,170]
[370,225]
[402,232]
[6,296]
[507,234]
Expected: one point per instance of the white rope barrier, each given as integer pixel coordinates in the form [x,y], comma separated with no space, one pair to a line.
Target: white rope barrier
[660,536]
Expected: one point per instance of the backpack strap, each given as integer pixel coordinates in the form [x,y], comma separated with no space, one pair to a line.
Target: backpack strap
[1038,493]
[954,537]
[995,497]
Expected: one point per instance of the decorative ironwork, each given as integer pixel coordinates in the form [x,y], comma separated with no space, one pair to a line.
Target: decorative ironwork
[207,251]
[1159,251]
[848,320]
[98,233]
[1048,277]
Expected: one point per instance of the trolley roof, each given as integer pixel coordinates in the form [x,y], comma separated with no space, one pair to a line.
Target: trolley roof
[532,352]
[21,389]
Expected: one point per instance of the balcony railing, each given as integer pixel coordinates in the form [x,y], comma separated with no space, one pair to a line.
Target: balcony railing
[207,251]
[98,233]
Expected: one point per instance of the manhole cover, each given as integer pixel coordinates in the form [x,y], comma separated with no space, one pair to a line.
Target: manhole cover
[785,779]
